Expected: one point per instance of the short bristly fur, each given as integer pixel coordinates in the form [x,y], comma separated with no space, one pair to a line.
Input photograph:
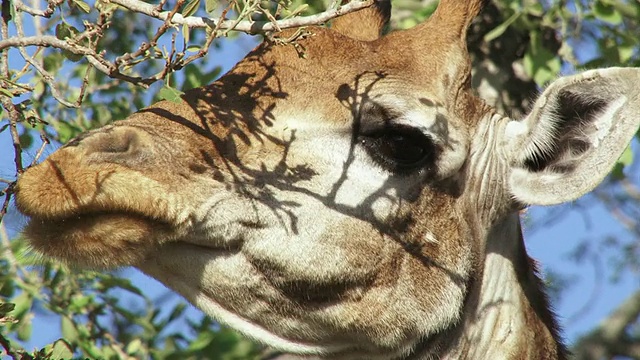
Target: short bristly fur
[357,202]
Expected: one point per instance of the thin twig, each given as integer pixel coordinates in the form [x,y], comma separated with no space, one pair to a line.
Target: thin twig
[14,115]
[92,57]
[45,142]
[7,199]
[20,6]
[247,26]
[7,348]
[212,36]
[170,18]
[127,58]
[46,41]
[46,76]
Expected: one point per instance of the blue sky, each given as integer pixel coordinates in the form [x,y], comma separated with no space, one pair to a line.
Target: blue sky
[551,246]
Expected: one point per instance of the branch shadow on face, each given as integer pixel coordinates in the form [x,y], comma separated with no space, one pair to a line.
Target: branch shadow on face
[235,115]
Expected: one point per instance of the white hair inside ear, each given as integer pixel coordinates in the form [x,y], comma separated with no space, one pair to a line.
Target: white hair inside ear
[574,135]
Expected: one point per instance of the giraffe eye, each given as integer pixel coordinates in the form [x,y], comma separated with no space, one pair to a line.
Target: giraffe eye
[398,148]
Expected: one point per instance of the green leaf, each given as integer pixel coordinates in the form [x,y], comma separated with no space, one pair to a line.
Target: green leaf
[64,30]
[607,13]
[626,158]
[190,8]
[121,283]
[24,328]
[83,330]
[171,94]
[92,350]
[210,5]
[500,29]
[61,350]
[535,9]
[212,75]
[79,302]
[539,63]
[57,278]
[192,78]
[185,33]
[419,16]
[178,310]
[52,62]
[23,304]
[66,130]
[202,341]
[6,308]
[26,139]
[69,330]
[616,172]
[625,52]
[82,5]
[133,347]
[299,10]
[72,56]
[6,92]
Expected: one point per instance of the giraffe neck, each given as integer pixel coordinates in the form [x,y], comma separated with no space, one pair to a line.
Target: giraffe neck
[506,314]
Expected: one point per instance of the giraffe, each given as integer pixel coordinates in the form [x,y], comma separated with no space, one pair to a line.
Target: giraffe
[357,202]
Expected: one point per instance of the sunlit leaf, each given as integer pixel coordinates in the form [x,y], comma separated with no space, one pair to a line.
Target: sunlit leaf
[540,63]
[299,10]
[6,92]
[82,5]
[185,33]
[67,130]
[133,347]
[607,13]
[202,341]
[190,8]
[121,283]
[23,304]
[210,5]
[25,326]
[171,94]
[626,52]
[69,331]
[79,302]
[61,350]
[500,29]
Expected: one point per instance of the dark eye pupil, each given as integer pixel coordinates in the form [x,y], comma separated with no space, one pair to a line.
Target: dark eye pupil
[399,148]
[405,150]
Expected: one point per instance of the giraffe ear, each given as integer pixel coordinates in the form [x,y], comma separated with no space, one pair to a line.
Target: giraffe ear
[575,133]
[366,24]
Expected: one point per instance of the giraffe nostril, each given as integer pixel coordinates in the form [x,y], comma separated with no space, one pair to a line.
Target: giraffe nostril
[122,145]
[115,141]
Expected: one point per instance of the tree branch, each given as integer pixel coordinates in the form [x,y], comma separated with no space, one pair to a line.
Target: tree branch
[251,27]
[613,327]
[609,338]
